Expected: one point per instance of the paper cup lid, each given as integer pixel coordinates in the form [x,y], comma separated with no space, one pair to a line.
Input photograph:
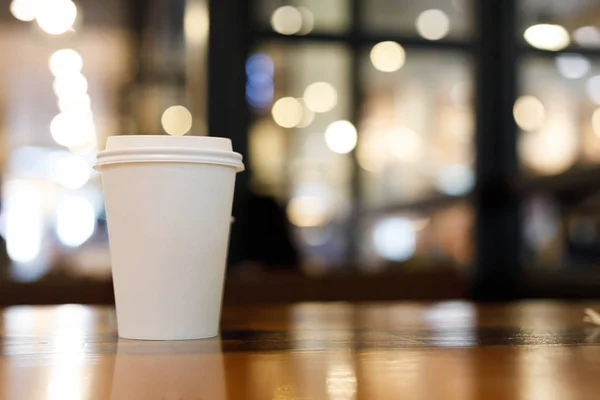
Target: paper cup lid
[155,148]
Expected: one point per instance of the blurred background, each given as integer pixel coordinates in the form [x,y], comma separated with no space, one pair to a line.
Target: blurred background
[395,149]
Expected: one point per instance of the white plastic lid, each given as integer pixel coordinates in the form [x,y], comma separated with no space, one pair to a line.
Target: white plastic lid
[155,148]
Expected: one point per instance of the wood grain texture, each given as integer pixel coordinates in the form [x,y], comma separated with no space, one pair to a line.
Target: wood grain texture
[335,351]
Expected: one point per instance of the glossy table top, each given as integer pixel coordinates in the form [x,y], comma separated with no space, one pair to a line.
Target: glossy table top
[335,351]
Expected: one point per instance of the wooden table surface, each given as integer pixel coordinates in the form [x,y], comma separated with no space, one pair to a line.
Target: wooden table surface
[335,351]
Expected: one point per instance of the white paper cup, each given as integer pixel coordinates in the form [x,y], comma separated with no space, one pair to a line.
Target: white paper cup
[168,206]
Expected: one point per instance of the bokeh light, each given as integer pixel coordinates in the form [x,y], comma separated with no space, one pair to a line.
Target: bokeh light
[24,10]
[308,116]
[372,150]
[70,86]
[72,171]
[433,24]
[56,16]
[320,97]
[388,56]
[176,120]
[308,21]
[529,113]
[394,239]
[592,88]
[461,93]
[547,37]
[72,129]
[455,180]
[572,65]
[405,144]
[341,137]
[550,151]
[306,211]
[286,20]
[287,112]
[596,121]
[65,62]
[587,36]
[78,104]
[75,221]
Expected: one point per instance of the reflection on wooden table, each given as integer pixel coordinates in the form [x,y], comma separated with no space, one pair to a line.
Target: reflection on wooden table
[337,351]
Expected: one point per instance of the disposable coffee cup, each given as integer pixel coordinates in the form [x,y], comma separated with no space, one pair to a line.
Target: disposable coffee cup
[168,208]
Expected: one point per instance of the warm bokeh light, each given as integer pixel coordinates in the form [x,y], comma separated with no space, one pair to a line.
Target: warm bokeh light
[547,37]
[65,62]
[529,113]
[587,36]
[72,171]
[405,144]
[70,86]
[80,104]
[596,121]
[75,221]
[572,65]
[308,21]
[56,16]
[455,180]
[72,129]
[433,24]
[286,20]
[306,211]
[341,137]
[196,22]
[372,150]
[24,10]
[388,56]
[287,112]
[308,116]
[320,96]
[550,151]
[394,239]
[592,88]
[176,120]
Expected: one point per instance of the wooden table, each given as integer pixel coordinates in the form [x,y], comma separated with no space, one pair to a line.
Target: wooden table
[335,351]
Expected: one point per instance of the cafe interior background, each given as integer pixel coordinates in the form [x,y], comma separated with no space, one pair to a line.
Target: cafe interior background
[395,149]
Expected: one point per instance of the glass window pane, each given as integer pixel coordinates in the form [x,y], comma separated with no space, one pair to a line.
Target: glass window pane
[429,19]
[303,16]
[416,130]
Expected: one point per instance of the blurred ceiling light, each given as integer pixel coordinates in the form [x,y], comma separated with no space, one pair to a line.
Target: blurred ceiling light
[176,120]
[24,220]
[371,152]
[320,97]
[286,20]
[388,56]
[79,104]
[529,113]
[341,137]
[72,129]
[572,65]
[70,86]
[307,211]
[455,180]
[308,116]
[405,144]
[65,62]
[547,37]
[587,36]
[394,239]
[72,171]
[433,24]
[287,112]
[549,151]
[460,94]
[196,22]
[308,21]
[75,221]
[24,10]
[56,16]
[592,88]
[596,121]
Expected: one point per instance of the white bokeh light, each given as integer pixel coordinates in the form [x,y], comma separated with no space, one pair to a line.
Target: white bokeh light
[433,24]
[24,10]
[320,97]
[176,120]
[592,88]
[341,137]
[70,86]
[388,56]
[65,62]
[73,129]
[286,20]
[587,36]
[455,180]
[77,104]
[75,221]
[72,171]
[394,239]
[287,112]
[56,16]
[307,211]
[529,113]
[547,37]
[405,144]
[572,65]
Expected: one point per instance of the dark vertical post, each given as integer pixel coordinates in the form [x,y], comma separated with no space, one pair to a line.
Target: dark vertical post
[498,233]
[228,115]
